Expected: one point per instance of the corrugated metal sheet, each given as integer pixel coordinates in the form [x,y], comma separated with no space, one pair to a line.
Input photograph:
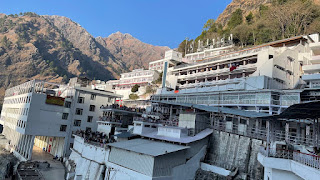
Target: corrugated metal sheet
[131,160]
[148,147]
[164,164]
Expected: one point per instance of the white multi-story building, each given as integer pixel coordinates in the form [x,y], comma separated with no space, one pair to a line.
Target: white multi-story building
[170,55]
[265,78]
[124,85]
[44,114]
[166,152]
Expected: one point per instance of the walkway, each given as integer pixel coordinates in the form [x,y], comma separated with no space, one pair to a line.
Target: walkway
[56,170]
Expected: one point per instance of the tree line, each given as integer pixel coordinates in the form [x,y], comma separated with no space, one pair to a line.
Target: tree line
[279,20]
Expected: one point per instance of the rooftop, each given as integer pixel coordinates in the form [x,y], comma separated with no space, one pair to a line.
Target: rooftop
[249,114]
[184,139]
[100,92]
[148,147]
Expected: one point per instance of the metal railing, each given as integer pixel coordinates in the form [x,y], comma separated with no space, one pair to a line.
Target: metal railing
[303,158]
[248,132]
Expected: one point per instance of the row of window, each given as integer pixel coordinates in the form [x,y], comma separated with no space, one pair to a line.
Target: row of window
[81,99]
[21,124]
[20,100]
[66,115]
[78,122]
[19,111]
[79,111]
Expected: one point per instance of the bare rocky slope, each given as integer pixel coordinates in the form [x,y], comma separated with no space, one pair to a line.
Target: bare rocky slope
[131,50]
[246,5]
[55,48]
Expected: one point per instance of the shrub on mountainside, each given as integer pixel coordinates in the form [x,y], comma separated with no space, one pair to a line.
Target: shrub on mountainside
[282,19]
[135,88]
[133,97]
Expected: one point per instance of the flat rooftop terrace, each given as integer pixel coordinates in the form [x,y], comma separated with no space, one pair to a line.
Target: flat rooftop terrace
[148,147]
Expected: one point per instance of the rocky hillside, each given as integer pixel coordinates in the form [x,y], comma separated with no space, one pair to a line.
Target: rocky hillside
[246,6]
[55,48]
[131,51]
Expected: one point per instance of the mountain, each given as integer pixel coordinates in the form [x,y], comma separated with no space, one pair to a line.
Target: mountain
[132,51]
[246,6]
[54,48]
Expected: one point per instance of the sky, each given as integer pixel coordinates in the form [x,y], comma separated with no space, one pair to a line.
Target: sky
[157,22]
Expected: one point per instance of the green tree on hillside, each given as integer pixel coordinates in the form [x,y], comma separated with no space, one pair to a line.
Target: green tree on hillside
[135,88]
[249,18]
[236,19]
[6,42]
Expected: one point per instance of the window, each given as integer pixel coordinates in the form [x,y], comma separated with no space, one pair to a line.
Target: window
[93,96]
[77,123]
[63,128]
[79,111]
[89,118]
[67,104]
[243,121]
[65,116]
[92,107]
[81,100]
[71,145]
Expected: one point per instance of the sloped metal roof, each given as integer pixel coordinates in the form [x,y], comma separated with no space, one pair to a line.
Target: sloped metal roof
[308,110]
[224,110]
[148,147]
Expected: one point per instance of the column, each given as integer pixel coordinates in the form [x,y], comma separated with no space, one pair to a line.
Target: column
[170,117]
[308,137]
[298,138]
[287,132]
[268,137]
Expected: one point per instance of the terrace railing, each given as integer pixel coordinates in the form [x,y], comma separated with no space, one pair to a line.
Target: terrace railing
[303,158]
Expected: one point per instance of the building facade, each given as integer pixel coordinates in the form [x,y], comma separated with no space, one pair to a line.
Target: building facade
[44,114]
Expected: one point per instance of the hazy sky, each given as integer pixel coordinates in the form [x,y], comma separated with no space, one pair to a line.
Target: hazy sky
[158,22]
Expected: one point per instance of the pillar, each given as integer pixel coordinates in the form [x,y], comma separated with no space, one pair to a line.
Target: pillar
[298,138]
[287,132]
[308,135]
[170,117]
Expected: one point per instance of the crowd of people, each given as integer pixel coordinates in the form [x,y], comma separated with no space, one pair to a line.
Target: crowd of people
[94,137]
[125,108]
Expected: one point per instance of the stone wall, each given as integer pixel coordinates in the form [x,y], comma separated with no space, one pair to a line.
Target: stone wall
[233,151]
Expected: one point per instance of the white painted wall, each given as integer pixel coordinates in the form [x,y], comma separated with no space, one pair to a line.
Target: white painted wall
[277,168]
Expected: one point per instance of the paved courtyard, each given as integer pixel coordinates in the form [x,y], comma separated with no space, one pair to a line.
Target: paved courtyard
[56,170]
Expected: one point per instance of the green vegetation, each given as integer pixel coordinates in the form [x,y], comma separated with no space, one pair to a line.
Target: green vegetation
[159,80]
[6,43]
[150,90]
[282,19]
[236,19]
[135,88]
[133,96]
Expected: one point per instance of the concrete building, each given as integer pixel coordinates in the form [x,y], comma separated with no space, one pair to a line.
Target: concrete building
[165,152]
[170,55]
[266,78]
[45,114]
[123,86]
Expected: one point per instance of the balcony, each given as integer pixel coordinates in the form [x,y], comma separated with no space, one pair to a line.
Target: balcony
[240,68]
[315,59]
[303,158]
[311,69]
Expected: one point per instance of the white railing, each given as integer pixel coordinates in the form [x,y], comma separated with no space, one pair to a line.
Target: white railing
[307,159]
[303,158]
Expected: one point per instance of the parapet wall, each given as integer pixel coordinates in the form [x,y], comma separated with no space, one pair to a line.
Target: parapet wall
[233,151]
